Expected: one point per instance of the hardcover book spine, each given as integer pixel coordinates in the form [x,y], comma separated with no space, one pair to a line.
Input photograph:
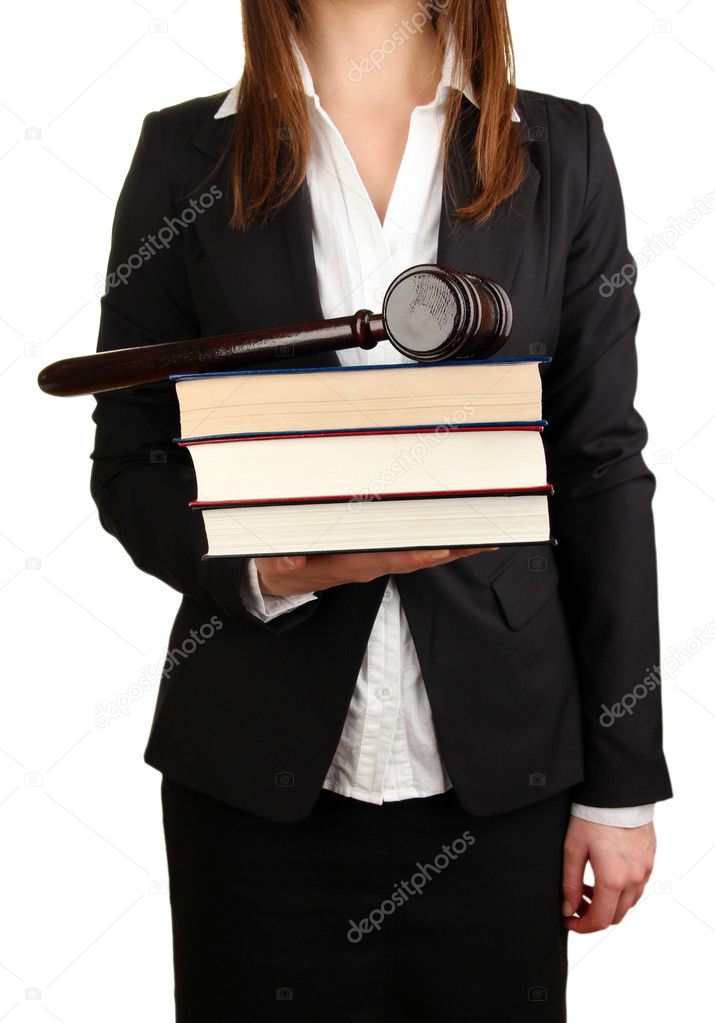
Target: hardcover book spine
[350,498]
[327,434]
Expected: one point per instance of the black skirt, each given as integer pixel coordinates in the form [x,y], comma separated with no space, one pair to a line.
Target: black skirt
[409,911]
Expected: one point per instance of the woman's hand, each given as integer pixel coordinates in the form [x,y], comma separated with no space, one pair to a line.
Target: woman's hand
[288,576]
[622,862]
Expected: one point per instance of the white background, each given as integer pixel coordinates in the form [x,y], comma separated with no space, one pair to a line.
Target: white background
[83,904]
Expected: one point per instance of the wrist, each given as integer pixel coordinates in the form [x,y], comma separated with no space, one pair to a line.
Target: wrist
[285,566]
[263,585]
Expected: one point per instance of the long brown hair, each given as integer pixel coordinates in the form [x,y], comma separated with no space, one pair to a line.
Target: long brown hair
[270,143]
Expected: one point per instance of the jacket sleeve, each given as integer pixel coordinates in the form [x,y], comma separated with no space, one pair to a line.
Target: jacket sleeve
[141,481]
[602,507]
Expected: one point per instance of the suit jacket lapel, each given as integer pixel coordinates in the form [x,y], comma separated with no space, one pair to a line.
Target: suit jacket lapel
[267,275]
[492,249]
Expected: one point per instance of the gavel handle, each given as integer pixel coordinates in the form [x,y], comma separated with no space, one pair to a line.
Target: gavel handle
[128,367]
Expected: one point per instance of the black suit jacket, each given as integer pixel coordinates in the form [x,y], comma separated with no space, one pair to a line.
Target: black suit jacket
[520,649]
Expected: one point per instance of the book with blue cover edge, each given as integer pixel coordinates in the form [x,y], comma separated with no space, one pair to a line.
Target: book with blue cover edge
[350,369]
[551,542]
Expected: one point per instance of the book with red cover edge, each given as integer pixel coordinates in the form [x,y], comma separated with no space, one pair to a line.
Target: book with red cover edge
[245,437]
[346,498]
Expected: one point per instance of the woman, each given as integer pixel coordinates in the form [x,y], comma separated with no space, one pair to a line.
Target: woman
[383,774]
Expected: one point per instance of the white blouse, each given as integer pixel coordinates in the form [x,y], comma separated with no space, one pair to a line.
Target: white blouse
[388,748]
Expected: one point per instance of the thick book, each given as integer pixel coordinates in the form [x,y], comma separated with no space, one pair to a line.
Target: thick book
[359,397]
[368,458]
[368,463]
[336,525]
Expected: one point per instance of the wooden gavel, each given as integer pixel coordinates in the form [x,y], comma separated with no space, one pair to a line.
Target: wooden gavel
[430,313]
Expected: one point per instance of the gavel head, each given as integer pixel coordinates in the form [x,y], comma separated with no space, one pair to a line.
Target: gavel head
[431,313]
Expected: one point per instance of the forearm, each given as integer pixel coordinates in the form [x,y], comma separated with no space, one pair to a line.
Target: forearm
[146,509]
[607,569]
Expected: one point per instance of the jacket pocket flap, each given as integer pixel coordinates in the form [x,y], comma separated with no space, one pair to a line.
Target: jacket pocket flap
[525,583]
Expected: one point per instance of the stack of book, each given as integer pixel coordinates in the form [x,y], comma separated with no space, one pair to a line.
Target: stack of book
[368,458]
